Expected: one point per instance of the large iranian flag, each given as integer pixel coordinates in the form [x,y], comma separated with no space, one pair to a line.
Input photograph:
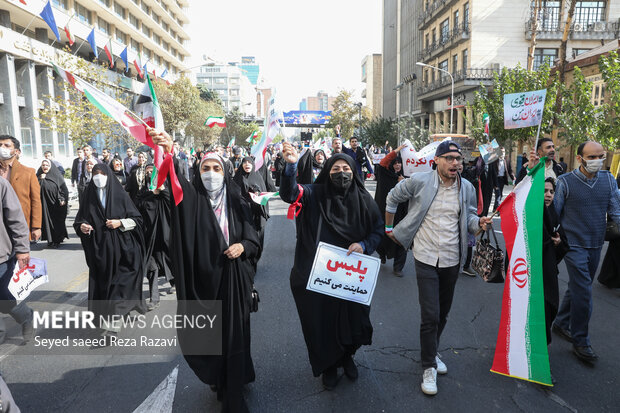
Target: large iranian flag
[521,349]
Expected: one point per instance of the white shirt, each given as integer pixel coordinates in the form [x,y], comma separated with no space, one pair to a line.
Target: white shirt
[502,168]
[549,172]
[437,239]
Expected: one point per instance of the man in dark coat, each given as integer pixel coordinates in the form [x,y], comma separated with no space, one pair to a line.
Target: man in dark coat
[503,169]
[545,147]
[359,156]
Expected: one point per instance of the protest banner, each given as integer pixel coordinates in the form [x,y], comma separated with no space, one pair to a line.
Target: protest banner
[421,161]
[522,110]
[351,277]
[28,278]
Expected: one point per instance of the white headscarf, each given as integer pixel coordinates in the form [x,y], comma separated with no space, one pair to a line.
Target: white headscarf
[218,198]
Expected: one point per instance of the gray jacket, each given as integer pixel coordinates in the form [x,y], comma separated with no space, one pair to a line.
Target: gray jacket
[14,233]
[420,191]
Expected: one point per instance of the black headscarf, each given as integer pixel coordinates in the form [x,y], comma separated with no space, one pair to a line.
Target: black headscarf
[345,212]
[249,181]
[53,191]
[54,176]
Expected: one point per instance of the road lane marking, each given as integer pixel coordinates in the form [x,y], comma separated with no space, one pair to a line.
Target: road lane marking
[162,398]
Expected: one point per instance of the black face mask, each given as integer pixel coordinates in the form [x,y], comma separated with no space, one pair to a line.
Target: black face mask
[342,180]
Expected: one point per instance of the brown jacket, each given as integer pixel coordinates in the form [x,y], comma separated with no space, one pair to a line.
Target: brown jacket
[26,185]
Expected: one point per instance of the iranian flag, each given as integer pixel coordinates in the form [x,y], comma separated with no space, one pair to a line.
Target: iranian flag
[215,121]
[68,33]
[147,106]
[486,119]
[252,137]
[263,197]
[108,51]
[521,349]
[231,143]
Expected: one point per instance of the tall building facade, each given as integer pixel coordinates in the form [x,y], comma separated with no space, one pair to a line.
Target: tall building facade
[231,84]
[153,28]
[322,101]
[401,45]
[472,39]
[372,76]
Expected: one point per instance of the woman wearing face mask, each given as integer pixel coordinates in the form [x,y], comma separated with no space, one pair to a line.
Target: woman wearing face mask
[555,246]
[54,196]
[259,181]
[348,217]
[390,172]
[110,228]
[213,244]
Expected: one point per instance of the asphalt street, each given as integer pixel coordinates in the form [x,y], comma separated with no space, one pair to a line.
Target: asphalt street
[390,370]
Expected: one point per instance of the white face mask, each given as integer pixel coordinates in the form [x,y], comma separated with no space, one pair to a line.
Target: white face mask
[100,180]
[212,181]
[593,165]
[5,153]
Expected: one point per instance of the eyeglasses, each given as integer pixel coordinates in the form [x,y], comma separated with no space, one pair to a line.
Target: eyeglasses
[452,158]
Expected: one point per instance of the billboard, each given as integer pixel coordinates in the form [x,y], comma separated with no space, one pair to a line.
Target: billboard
[307,117]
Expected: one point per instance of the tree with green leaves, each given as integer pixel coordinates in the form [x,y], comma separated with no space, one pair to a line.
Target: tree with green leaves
[410,129]
[346,113]
[76,116]
[491,101]
[378,130]
[237,128]
[609,133]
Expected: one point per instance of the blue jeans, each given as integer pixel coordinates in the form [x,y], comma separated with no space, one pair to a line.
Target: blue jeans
[576,308]
[20,312]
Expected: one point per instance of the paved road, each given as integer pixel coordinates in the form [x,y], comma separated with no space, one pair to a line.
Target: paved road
[390,371]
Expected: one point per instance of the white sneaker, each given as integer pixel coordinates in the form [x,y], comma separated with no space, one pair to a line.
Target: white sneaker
[429,381]
[441,366]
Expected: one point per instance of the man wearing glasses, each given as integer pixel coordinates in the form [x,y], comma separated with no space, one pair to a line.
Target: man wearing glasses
[583,199]
[442,209]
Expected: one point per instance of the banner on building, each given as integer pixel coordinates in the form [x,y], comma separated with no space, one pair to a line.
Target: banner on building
[307,117]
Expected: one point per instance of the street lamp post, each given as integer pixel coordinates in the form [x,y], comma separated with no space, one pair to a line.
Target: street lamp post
[452,96]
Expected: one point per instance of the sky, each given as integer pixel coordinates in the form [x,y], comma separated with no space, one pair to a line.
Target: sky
[301,46]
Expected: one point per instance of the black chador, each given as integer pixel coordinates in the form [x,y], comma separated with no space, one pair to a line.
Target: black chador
[53,192]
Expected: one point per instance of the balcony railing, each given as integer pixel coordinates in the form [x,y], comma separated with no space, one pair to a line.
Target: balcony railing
[432,10]
[554,30]
[460,32]
[460,75]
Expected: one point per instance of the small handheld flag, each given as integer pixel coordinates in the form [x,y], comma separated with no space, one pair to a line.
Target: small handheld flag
[215,121]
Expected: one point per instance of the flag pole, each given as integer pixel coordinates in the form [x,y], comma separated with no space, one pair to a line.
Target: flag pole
[31,20]
[537,135]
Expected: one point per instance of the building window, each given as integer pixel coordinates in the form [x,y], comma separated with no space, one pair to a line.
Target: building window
[455,63]
[234,92]
[455,20]
[156,38]
[121,37]
[444,29]
[544,56]
[158,60]
[105,2]
[120,10]
[165,26]
[165,46]
[146,31]
[434,36]
[135,46]
[133,20]
[104,26]
[156,18]
[61,4]
[146,53]
[466,14]
[465,59]
[549,15]
[83,14]
[588,12]
[146,8]
[598,90]
[427,40]
[444,66]
[220,81]
[234,80]
[577,52]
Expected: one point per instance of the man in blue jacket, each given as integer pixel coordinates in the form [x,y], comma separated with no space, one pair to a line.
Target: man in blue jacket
[359,155]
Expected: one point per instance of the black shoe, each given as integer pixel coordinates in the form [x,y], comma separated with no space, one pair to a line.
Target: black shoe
[350,369]
[27,331]
[330,378]
[383,259]
[585,353]
[469,272]
[565,334]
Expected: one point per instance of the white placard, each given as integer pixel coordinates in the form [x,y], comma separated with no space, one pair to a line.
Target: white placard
[421,161]
[351,278]
[28,278]
[522,110]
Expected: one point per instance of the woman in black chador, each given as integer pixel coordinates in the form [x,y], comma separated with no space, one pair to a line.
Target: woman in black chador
[109,226]
[250,180]
[338,210]
[389,173]
[54,199]
[212,245]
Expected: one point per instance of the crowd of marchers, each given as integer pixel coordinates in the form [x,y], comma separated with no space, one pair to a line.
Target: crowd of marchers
[207,247]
